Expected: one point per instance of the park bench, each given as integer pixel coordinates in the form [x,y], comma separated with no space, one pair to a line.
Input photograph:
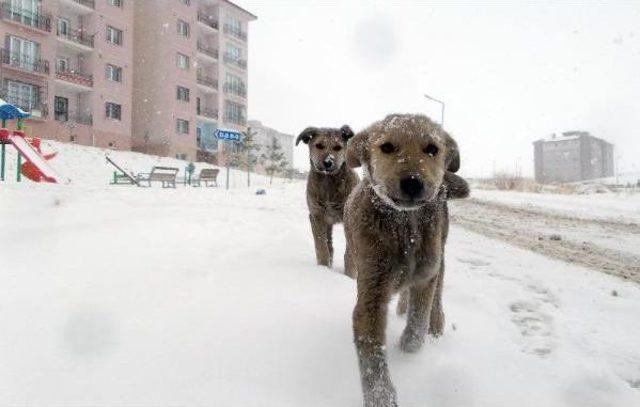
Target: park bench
[166,175]
[208,176]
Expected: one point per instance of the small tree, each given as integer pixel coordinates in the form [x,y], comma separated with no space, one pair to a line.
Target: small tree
[273,159]
[250,153]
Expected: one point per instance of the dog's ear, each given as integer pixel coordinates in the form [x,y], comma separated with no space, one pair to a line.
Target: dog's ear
[358,149]
[346,132]
[306,135]
[452,162]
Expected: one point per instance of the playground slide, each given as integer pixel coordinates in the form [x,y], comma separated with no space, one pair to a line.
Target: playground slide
[34,157]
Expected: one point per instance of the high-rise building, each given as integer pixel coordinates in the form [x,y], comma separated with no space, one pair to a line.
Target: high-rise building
[572,156]
[190,70]
[69,62]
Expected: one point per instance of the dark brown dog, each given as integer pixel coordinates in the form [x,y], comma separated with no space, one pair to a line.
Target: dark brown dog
[328,185]
[396,223]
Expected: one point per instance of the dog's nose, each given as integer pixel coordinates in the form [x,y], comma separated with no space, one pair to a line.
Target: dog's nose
[327,163]
[412,186]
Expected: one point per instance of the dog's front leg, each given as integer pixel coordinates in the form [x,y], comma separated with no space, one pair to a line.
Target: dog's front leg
[319,229]
[369,324]
[436,320]
[420,304]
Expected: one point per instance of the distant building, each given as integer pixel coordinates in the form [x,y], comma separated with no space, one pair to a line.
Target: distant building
[572,156]
[265,136]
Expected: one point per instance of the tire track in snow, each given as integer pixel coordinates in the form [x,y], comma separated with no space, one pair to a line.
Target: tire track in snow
[530,229]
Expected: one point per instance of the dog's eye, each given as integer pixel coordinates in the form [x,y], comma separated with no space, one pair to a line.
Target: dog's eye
[387,148]
[337,148]
[320,146]
[431,150]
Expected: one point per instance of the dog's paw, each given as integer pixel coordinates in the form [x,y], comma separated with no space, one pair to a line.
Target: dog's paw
[411,341]
[436,324]
[381,396]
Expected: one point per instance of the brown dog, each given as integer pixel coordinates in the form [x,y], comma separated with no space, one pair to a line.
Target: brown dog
[328,185]
[396,223]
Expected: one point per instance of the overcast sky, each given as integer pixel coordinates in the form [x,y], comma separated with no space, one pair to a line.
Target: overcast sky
[509,74]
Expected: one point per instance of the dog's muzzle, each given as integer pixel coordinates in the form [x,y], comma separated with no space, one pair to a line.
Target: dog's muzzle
[328,164]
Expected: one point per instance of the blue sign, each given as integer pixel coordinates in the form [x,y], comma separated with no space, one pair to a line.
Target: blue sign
[228,135]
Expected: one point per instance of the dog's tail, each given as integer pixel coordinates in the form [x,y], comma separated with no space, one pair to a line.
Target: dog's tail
[455,186]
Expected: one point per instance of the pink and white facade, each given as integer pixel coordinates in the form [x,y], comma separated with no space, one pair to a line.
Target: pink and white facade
[190,71]
[70,62]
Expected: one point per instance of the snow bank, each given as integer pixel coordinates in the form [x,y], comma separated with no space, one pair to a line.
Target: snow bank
[87,166]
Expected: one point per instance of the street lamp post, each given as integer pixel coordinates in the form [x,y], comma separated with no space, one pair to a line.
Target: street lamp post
[441,104]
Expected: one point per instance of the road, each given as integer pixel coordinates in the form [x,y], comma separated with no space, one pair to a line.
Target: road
[612,247]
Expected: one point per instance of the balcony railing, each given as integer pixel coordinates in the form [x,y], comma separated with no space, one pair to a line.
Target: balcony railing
[208,20]
[207,81]
[212,52]
[241,120]
[74,117]
[77,36]
[235,32]
[33,19]
[75,76]
[24,62]
[206,112]
[86,3]
[238,90]
[230,59]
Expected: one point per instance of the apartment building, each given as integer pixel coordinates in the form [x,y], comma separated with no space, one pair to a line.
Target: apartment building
[69,62]
[572,156]
[190,72]
[266,136]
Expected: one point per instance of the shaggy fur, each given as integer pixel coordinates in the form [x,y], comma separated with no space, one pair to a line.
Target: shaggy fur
[329,183]
[396,222]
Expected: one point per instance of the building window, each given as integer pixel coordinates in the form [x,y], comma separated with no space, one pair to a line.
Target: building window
[182,61]
[114,35]
[23,53]
[234,52]
[181,156]
[63,26]
[62,65]
[113,111]
[234,112]
[182,126]
[23,95]
[114,73]
[61,108]
[182,93]
[115,3]
[183,28]
[186,2]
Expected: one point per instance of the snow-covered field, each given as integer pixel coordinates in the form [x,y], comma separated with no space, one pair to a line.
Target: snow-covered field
[124,296]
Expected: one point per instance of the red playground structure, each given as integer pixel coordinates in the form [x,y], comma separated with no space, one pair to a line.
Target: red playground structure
[36,168]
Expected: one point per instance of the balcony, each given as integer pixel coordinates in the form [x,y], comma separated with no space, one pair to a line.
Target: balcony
[86,3]
[236,119]
[74,118]
[24,62]
[233,60]
[75,77]
[208,112]
[209,51]
[76,36]
[207,81]
[35,20]
[235,32]
[234,89]
[208,20]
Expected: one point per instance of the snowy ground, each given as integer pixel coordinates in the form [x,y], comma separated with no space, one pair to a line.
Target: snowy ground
[124,296]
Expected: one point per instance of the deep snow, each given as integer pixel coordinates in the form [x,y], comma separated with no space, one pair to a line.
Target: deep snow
[124,296]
